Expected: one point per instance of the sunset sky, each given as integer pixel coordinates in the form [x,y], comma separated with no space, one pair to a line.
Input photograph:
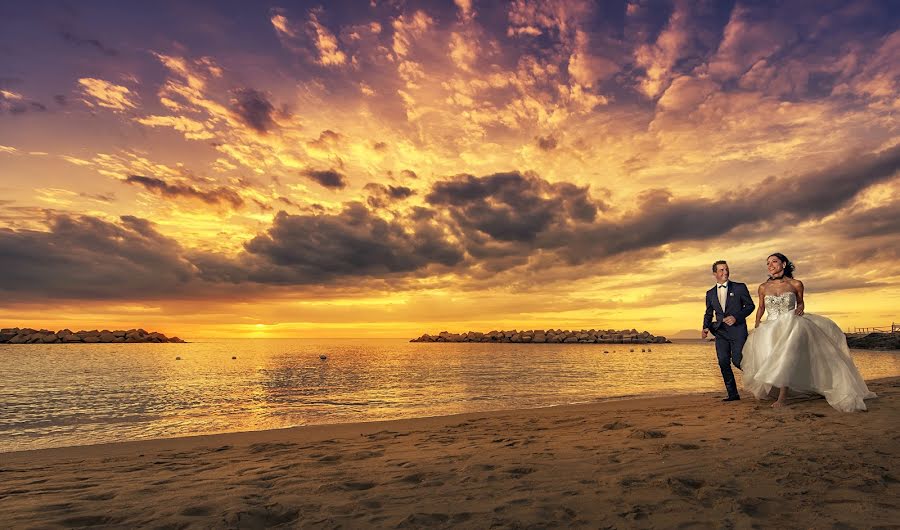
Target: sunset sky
[388,168]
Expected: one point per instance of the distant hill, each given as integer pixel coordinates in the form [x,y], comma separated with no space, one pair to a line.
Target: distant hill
[685,334]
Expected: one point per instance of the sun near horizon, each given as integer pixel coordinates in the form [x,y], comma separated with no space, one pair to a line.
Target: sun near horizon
[382,169]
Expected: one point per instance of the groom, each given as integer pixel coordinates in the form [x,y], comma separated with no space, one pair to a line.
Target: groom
[728,304]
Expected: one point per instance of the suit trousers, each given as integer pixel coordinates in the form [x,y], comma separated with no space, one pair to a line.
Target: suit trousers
[729,349]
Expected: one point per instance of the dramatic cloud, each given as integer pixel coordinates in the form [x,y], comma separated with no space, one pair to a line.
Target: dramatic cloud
[193,130]
[88,258]
[547,143]
[382,196]
[254,109]
[409,28]
[326,43]
[649,138]
[107,95]
[328,178]
[660,218]
[510,206]
[162,188]
[355,242]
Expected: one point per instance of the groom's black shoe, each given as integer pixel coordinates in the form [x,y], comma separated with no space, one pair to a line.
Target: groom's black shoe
[732,398]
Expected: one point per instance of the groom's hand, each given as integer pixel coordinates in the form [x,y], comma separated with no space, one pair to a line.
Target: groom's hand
[730,320]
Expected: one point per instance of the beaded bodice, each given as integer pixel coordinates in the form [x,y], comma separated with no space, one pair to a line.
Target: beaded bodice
[780,304]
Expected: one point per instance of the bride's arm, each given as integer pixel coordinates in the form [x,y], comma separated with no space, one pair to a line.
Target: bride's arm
[800,305]
[762,304]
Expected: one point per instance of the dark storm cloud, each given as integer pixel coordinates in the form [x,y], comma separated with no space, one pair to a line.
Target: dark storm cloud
[311,248]
[661,218]
[512,207]
[90,43]
[328,178]
[474,227]
[381,195]
[87,258]
[547,143]
[509,214]
[162,188]
[254,109]
[879,221]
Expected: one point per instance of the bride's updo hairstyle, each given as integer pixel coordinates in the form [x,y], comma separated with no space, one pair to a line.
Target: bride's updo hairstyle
[788,266]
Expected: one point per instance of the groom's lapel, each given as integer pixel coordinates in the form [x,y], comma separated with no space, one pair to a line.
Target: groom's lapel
[715,295]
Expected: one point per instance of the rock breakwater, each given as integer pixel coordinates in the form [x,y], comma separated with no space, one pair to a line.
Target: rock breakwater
[65,336]
[585,336]
[874,341]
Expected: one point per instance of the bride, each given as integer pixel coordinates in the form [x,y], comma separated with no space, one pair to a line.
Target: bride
[795,350]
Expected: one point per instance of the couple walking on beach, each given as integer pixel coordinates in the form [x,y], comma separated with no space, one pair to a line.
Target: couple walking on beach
[791,351]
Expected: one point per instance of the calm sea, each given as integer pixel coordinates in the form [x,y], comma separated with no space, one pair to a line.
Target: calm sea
[77,394]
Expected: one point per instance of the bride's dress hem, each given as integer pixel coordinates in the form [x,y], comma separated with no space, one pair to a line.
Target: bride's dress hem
[806,353]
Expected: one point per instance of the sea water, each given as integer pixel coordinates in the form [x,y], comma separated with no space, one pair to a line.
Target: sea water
[77,394]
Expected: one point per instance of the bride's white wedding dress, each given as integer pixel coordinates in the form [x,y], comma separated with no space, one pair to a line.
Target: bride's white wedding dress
[806,353]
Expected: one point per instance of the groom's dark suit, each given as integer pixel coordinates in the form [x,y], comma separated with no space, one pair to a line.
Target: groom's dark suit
[729,339]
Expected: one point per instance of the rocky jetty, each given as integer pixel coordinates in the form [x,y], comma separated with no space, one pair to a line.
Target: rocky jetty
[585,336]
[874,341]
[65,336]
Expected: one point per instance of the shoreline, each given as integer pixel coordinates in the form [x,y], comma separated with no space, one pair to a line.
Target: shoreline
[351,425]
[359,424]
[645,462]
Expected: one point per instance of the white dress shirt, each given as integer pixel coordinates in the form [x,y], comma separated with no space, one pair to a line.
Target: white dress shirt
[722,294]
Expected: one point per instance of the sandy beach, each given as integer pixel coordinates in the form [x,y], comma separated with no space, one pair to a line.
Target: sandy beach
[668,462]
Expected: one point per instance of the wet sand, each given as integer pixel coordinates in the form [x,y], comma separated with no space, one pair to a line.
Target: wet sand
[670,462]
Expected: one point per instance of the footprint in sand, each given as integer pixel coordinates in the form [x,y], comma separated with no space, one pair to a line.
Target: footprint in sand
[262,517]
[363,455]
[197,511]
[424,520]
[87,520]
[684,486]
[517,472]
[347,486]
[682,446]
[642,434]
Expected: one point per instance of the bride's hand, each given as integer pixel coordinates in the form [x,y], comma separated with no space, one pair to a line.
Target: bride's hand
[799,310]
[756,325]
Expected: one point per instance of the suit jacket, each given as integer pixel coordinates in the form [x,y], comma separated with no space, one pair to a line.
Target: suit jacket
[738,304]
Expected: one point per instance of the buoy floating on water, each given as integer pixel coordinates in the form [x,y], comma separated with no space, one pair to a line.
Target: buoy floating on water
[323,357]
[232,358]
[177,358]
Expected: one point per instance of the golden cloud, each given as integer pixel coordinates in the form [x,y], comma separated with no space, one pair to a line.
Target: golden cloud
[108,95]
[193,130]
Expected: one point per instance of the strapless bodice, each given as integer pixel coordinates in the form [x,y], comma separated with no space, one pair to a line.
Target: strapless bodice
[780,304]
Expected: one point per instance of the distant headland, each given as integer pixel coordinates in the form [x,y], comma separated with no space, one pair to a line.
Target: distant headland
[65,336]
[584,336]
